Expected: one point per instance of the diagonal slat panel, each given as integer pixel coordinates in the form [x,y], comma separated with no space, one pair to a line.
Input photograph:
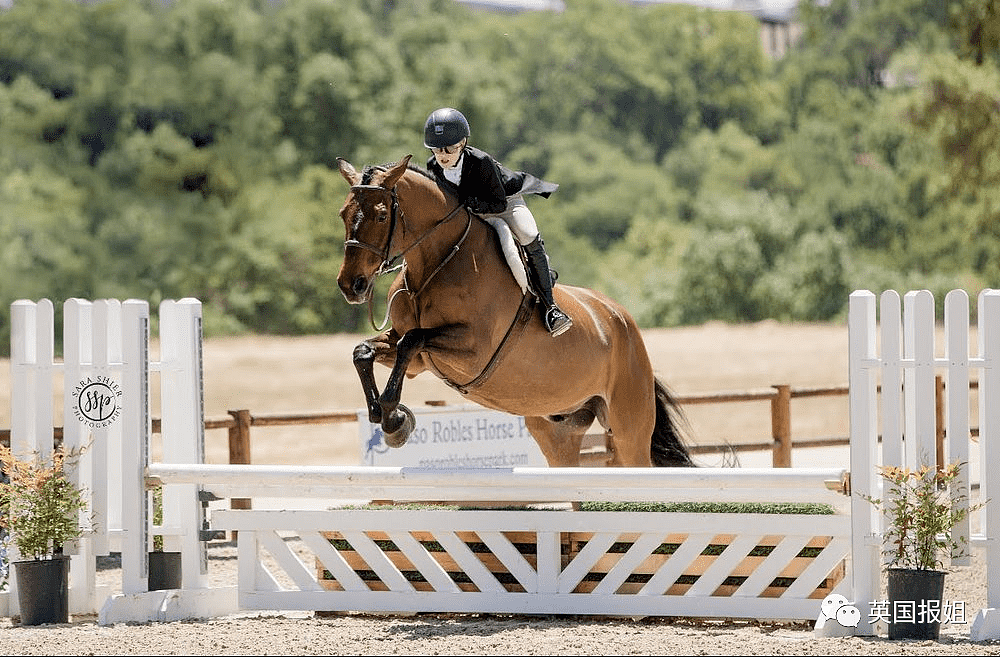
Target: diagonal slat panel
[469,562]
[334,561]
[288,561]
[512,560]
[585,559]
[424,562]
[668,573]
[838,548]
[724,564]
[377,561]
[636,554]
[771,567]
[663,595]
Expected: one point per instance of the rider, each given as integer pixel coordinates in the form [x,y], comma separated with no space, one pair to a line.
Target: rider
[488,188]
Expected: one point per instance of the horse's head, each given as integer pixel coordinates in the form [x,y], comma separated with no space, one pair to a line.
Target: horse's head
[370,216]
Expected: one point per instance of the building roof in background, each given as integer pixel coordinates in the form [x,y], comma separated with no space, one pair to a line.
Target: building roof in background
[770,10]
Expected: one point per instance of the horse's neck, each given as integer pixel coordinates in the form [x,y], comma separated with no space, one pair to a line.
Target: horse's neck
[433,218]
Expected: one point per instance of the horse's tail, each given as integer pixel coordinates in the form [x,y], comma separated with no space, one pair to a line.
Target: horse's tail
[667,448]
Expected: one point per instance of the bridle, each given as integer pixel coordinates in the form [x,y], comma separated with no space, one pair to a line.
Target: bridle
[391,263]
[382,252]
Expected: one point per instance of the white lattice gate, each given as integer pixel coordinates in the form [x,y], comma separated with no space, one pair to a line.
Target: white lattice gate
[543,562]
[732,565]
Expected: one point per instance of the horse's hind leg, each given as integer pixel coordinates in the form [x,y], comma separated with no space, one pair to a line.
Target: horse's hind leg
[559,436]
[631,416]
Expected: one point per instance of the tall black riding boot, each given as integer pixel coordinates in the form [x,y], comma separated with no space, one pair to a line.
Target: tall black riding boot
[556,321]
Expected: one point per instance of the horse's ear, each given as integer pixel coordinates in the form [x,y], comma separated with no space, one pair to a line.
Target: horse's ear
[395,173]
[347,171]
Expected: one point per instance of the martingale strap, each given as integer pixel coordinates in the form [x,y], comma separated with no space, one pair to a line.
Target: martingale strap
[514,332]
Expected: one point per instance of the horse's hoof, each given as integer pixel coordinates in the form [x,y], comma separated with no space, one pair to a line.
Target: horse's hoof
[397,437]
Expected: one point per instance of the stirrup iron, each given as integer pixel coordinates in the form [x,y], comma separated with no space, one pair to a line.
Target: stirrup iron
[556,321]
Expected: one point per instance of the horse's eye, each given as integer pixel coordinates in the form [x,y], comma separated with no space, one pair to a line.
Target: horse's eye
[381,212]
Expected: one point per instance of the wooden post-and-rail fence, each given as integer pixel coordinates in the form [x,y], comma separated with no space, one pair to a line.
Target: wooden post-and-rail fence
[780,397]
[239,423]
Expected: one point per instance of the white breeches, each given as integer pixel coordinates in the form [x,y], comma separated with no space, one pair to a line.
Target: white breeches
[520,220]
[510,251]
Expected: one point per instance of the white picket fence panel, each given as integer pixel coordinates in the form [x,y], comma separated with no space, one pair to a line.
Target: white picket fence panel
[893,362]
[106,347]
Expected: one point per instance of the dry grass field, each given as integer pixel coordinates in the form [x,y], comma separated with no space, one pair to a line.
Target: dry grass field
[290,374]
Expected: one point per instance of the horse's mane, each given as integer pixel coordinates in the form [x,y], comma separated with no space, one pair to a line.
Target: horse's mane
[371,169]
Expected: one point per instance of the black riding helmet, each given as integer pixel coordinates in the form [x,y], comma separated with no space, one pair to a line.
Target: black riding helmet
[445,127]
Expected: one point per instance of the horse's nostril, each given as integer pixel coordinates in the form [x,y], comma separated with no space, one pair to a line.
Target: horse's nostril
[360,285]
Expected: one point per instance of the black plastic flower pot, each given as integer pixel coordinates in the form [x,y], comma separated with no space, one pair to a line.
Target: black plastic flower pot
[43,590]
[915,603]
[164,570]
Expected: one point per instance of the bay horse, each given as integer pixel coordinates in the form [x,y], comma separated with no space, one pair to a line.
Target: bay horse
[457,311]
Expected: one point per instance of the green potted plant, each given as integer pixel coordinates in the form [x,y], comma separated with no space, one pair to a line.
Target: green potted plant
[164,567]
[921,510]
[40,511]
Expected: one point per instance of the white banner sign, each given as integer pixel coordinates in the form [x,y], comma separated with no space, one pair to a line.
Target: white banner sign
[454,437]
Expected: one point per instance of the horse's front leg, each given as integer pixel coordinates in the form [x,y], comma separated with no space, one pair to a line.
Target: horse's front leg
[366,354]
[397,420]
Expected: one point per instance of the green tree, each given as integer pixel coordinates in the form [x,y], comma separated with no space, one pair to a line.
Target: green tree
[863,35]
[189,148]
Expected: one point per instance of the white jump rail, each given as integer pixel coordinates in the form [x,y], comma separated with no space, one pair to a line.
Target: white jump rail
[510,484]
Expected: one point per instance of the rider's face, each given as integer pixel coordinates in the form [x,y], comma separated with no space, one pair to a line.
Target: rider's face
[448,156]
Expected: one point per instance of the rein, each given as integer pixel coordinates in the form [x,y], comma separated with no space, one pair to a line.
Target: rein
[406,285]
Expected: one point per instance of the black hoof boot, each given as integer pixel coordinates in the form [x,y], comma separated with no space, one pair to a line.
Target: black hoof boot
[404,423]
